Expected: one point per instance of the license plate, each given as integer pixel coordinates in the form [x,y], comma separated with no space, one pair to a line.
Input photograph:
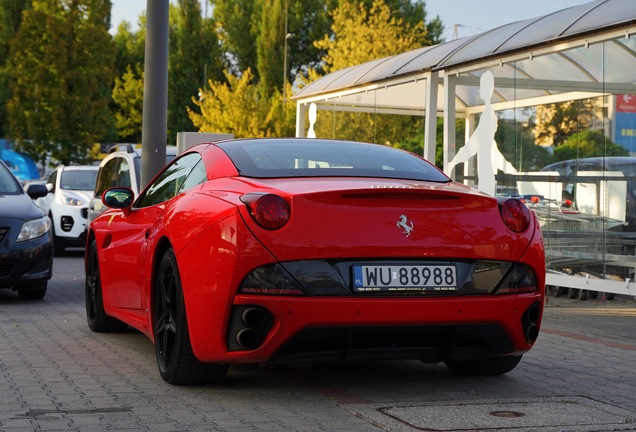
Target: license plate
[387,278]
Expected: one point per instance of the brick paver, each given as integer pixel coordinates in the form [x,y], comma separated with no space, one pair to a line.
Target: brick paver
[55,374]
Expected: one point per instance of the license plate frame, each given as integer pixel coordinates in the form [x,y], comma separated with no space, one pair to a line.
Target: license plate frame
[404,277]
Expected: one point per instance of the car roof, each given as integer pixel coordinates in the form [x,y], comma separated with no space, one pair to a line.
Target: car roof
[136,150]
[79,167]
[604,160]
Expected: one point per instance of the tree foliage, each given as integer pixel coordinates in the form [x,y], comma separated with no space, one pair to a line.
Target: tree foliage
[588,143]
[193,57]
[10,19]
[128,96]
[61,62]
[362,34]
[555,122]
[72,84]
[251,30]
[238,107]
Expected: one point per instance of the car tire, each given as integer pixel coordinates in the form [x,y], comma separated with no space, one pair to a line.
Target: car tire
[481,367]
[36,292]
[58,242]
[96,317]
[175,358]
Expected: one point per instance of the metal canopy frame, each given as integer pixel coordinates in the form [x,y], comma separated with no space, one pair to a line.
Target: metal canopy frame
[541,60]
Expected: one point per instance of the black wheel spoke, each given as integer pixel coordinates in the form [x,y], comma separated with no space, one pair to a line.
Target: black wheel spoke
[166,323]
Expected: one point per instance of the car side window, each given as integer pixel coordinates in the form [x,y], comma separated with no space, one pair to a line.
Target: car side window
[123,174]
[52,179]
[105,176]
[197,176]
[171,181]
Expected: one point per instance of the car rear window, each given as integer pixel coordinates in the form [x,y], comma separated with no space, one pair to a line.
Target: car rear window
[272,158]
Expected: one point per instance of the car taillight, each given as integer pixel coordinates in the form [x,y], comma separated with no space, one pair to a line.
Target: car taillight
[520,279]
[268,210]
[515,214]
[270,279]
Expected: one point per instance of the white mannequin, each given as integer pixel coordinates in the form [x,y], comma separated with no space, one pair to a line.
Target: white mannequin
[313,113]
[482,142]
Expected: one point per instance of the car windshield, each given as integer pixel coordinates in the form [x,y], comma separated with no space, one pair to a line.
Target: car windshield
[78,179]
[271,158]
[8,183]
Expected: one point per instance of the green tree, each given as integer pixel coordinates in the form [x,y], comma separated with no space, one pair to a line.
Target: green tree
[62,70]
[252,30]
[10,19]
[269,57]
[237,106]
[129,46]
[362,34]
[194,57]
[128,97]
[556,122]
[237,22]
[588,143]
[414,13]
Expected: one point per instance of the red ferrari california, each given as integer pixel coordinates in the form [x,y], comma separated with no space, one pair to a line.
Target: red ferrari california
[288,250]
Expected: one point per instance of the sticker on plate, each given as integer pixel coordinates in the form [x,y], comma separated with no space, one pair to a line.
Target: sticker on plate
[386,278]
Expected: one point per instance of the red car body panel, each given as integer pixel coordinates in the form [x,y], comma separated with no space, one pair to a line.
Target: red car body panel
[217,243]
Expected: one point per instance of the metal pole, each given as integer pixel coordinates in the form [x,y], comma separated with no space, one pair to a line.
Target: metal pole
[155,117]
[285,55]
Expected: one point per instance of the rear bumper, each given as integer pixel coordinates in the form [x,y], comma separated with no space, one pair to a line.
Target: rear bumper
[334,329]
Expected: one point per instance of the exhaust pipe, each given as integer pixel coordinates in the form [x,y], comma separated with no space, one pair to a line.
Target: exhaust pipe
[529,322]
[249,326]
[248,338]
[254,317]
[532,333]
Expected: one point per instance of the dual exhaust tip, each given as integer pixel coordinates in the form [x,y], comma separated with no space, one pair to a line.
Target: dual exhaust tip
[249,326]
[530,322]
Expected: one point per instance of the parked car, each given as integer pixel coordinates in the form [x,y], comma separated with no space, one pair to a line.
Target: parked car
[580,188]
[569,170]
[291,250]
[70,190]
[26,252]
[122,167]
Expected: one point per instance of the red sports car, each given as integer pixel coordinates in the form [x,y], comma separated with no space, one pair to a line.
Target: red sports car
[284,250]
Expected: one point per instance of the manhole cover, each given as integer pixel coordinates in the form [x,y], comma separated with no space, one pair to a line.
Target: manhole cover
[574,413]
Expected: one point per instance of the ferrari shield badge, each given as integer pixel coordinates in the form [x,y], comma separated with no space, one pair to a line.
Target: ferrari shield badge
[405,225]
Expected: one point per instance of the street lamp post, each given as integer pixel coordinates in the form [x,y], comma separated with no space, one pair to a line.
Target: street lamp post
[287,36]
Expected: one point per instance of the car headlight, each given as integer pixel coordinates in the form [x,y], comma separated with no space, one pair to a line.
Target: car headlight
[34,229]
[71,200]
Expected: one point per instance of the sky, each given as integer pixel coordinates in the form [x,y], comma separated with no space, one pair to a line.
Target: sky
[470,16]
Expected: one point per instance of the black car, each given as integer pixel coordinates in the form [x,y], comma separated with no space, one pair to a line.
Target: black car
[26,249]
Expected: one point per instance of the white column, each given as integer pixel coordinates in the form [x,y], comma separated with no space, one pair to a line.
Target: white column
[449,119]
[430,121]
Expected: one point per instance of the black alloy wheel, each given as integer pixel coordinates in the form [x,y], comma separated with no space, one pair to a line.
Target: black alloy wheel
[175,358]
[96,317]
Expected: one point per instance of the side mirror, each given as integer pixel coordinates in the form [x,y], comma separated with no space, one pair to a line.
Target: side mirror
[37,191]
[118,197]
